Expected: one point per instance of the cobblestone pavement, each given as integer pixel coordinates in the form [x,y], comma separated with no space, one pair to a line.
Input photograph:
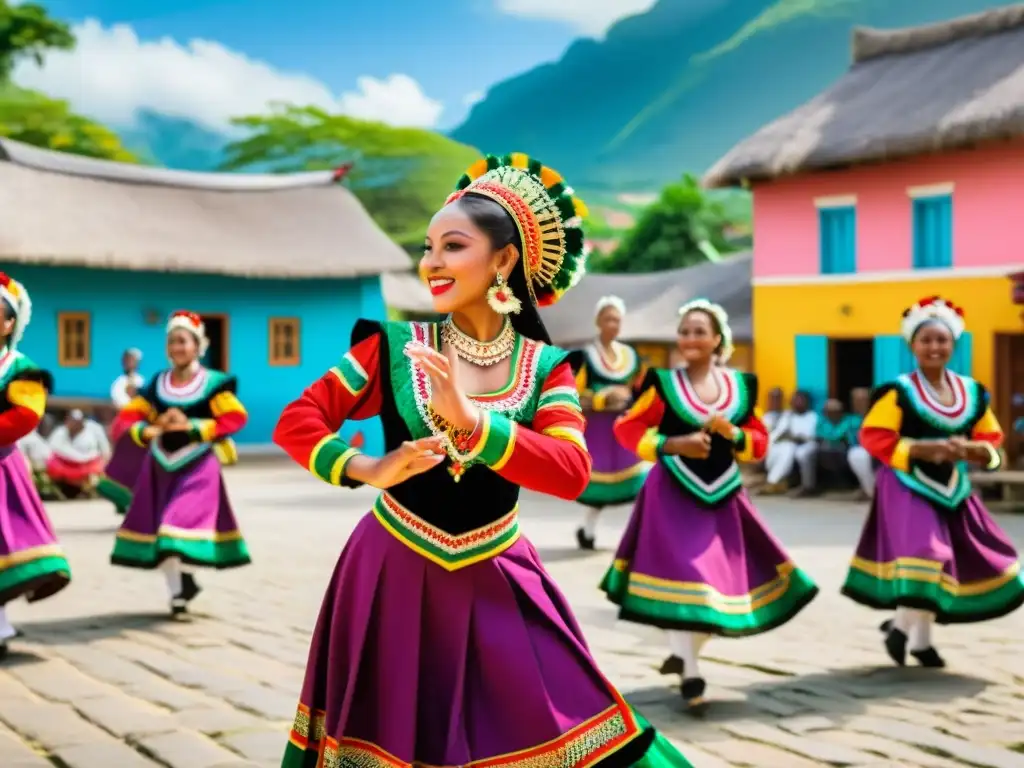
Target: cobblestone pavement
[104,679]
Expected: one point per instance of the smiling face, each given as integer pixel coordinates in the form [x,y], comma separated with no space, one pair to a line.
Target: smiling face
[182,347]
[932,345]
[459,262]
[609,323]
[698,338]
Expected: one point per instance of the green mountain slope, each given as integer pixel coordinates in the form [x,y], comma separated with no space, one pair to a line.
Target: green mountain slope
[675,88]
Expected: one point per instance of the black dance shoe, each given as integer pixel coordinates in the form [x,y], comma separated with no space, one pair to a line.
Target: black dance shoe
[929,658]
[692,690]
[585,542]
[673,665]
[896,646]
[190,588]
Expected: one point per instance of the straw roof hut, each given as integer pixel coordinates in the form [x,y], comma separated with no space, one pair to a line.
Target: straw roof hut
[61,209]
[943,86]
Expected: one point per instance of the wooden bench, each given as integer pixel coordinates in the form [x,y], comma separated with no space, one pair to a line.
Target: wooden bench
[1010,482]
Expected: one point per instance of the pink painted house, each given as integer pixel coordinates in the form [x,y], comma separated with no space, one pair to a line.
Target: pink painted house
[904,179]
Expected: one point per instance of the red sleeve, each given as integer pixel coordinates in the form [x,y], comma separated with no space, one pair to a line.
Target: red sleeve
[880,432]
[550,456]
[138,413]
[637,429]
[752,440]
[229,416]
[308,427]
[28,403]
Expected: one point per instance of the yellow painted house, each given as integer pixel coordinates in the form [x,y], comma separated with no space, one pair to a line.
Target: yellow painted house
[902,180]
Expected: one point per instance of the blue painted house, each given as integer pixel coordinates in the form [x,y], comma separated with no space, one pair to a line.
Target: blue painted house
[279,266]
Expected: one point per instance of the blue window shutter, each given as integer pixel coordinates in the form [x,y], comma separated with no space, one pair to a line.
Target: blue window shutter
[889,354]
[812,367]
[933,232]
[837,240]
[963,355]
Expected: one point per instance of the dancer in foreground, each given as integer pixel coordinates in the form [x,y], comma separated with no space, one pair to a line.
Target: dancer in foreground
[607,380]
[32,564]
[929,549]
[442,640]
[696,559]
[179,515]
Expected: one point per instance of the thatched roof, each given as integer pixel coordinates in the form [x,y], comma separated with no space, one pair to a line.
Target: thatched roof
[910,91]
[75,211]
[652,300]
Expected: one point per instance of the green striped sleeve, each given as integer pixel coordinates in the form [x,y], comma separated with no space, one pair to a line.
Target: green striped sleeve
[328,459]
[351,374]
[497,439]
[566,397]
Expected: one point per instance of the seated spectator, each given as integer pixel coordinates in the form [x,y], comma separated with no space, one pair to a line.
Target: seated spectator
[775,409]
[36,451]
[860,461]
[80,450]
[792,443]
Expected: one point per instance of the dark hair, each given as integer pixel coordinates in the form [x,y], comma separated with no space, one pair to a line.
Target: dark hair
[495,222]
[805,395]
[9,314]
[715,326]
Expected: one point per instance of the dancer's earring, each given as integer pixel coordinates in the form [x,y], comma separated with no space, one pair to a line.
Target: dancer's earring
[501,298]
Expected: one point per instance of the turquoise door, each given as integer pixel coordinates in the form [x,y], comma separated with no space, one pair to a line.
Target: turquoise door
[892,357]
[963,356]
[812,368]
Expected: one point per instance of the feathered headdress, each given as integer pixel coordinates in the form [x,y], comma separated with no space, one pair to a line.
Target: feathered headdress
[16,295]
[721,318]
[193,323]
[932,308]
[549,219]
[609,301]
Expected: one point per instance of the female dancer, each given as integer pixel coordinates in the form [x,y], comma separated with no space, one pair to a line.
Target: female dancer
[442,640]
[32,564]
[695,558]
[930,550]
[179,515]
[610,373]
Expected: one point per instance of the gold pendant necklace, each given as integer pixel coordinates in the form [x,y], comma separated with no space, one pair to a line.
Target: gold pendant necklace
[482,353]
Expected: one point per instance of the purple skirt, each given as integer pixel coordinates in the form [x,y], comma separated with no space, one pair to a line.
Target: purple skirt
[121,473]
[184,514]
[32,563]
[413,664]
[617,474]
[959,564]
[681,565]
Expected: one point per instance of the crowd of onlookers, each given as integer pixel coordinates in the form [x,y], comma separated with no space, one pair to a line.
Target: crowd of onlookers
[814,451]
[68,456]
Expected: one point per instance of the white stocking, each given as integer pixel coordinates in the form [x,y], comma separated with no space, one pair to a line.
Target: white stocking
[6,630]
[172,572]
[903,619]
[687,646]
[921,631]
[590,521]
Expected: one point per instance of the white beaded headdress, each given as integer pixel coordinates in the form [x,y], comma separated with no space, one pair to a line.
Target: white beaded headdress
[721,317]
[15,294]
[193,323]
[932,309]
[609,301]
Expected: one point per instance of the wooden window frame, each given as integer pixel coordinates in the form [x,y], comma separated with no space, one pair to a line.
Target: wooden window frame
[284,362]
[62,319]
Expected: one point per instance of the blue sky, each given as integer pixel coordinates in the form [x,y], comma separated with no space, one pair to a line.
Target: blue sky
[406,61]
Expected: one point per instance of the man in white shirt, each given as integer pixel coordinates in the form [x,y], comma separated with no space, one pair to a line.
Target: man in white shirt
[792,442]
[79,452]
[130,382]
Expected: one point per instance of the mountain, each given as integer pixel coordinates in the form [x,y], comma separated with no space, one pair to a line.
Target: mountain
[174,142]
[673,89]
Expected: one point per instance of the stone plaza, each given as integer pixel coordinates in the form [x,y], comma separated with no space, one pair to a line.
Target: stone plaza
[104,678]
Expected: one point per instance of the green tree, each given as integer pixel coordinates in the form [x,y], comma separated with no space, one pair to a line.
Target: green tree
[682,228]
[27,31]
[401,175]
[34,118]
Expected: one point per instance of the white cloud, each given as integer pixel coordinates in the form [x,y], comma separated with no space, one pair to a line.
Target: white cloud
[473,98]
[589,17]
[112,74]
